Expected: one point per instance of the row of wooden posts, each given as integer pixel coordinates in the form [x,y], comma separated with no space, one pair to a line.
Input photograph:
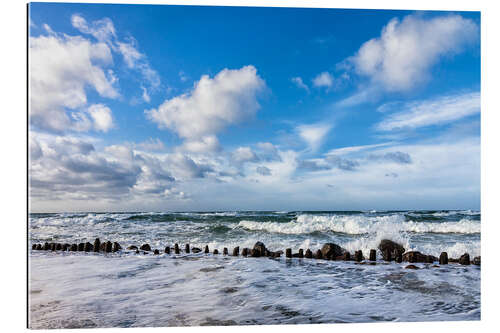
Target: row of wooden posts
[259,250]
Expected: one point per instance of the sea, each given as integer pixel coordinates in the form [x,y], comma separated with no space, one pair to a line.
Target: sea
[129,289]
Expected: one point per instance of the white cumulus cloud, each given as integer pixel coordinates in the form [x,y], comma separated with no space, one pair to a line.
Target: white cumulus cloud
[324,79]
[212,104]
[300,83]
[245,154]
[101,115]
[402,56]
[313,134]
[61,68]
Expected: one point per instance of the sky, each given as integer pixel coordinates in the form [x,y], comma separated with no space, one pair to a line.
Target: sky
[190,108]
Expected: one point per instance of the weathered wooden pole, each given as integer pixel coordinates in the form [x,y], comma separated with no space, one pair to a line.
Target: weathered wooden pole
[109,246]
[97,245]
[116,247]
[464,259]
[88,247]
[443,258]
[373,255]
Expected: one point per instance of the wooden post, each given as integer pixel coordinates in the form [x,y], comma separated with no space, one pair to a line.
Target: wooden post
[176,248]
[187,248]
[464,259]
[97,245]
[373,255]
[167,249]
[206,249]
[236,251]
[288,253]
[87,247]
[225,252]
[443,258]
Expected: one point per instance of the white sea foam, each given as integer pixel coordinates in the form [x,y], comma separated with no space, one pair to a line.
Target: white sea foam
[139,290]
[360,224]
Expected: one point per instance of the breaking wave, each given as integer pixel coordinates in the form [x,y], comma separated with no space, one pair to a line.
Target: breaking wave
[359,224]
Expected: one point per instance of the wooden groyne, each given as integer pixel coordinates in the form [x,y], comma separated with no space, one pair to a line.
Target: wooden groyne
[390,251]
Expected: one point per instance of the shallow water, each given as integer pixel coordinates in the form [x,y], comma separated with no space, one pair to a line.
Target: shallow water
[126,289]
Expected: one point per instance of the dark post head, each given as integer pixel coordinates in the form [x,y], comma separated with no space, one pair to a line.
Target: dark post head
[97,245]
[319,254]
[443,258]
[373,255]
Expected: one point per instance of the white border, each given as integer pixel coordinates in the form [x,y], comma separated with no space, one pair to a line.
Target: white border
[13,164]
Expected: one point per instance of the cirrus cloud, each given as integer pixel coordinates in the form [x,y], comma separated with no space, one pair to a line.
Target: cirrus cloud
[437,111]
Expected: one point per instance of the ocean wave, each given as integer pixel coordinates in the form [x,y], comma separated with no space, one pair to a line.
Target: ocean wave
[358,225]
[457,212]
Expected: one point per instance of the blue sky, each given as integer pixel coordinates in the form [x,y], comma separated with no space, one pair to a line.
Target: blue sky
[142,107]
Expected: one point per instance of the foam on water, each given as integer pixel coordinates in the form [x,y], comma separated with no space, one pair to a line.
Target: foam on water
[120,291]
[357,225]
